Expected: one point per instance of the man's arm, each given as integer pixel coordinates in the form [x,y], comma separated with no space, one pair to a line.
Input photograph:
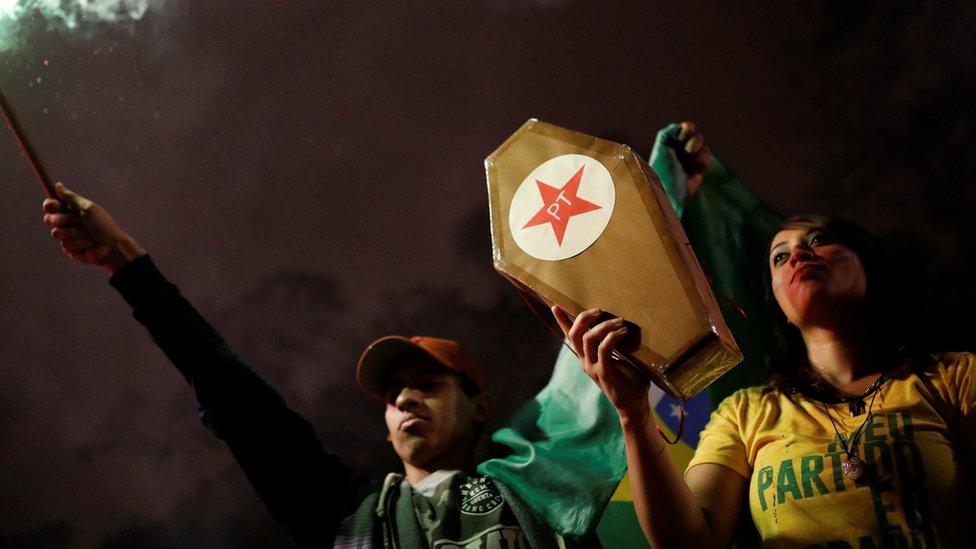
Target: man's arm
[87,232]
[307,490]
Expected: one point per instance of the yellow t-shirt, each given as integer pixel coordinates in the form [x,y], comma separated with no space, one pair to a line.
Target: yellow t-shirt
[918,486]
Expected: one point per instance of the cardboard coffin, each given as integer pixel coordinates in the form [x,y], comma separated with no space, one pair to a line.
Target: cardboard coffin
[584,222]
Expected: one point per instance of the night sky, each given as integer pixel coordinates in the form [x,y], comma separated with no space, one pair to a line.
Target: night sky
[311,176]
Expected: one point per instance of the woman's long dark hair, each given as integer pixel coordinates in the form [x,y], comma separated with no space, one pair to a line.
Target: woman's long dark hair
[892,307]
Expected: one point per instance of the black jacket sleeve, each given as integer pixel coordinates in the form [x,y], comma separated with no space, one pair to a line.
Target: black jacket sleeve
[307,490]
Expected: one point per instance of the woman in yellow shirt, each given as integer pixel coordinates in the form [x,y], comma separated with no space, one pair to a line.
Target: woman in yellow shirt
[857,441]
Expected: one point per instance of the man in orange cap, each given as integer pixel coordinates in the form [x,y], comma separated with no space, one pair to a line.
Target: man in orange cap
[436,410]
[435,401]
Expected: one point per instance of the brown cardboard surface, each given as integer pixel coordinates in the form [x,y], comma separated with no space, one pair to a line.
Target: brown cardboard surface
[640,268]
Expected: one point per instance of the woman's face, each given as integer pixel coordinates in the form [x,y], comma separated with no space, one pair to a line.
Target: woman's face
[814,277]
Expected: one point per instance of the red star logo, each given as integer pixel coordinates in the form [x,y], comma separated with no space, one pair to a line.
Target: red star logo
[559,205]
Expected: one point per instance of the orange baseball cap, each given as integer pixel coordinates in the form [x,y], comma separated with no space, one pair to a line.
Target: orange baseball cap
[380,355]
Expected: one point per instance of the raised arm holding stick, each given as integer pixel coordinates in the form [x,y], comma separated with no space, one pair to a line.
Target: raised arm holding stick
[87,232]
[435,412]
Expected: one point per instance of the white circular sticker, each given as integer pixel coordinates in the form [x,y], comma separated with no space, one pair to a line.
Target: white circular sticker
[562,207]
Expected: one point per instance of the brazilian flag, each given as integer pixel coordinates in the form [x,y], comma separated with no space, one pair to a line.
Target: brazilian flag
[569,435]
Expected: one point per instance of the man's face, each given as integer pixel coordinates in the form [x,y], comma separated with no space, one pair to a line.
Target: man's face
[431,420]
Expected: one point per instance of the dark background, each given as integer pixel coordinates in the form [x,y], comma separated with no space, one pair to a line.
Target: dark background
[310,173]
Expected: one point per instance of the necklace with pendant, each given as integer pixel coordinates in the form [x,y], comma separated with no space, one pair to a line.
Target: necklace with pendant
[853,466]
[855,404]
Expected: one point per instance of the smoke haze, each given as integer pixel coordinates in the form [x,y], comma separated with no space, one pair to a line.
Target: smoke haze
[311,175]
[20,18]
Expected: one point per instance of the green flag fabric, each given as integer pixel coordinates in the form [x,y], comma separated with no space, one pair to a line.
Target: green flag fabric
[564,450]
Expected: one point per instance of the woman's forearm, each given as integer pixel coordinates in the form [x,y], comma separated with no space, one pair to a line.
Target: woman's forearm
[668,511]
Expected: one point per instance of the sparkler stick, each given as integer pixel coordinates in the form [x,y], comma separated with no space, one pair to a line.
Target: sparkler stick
[25,147]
